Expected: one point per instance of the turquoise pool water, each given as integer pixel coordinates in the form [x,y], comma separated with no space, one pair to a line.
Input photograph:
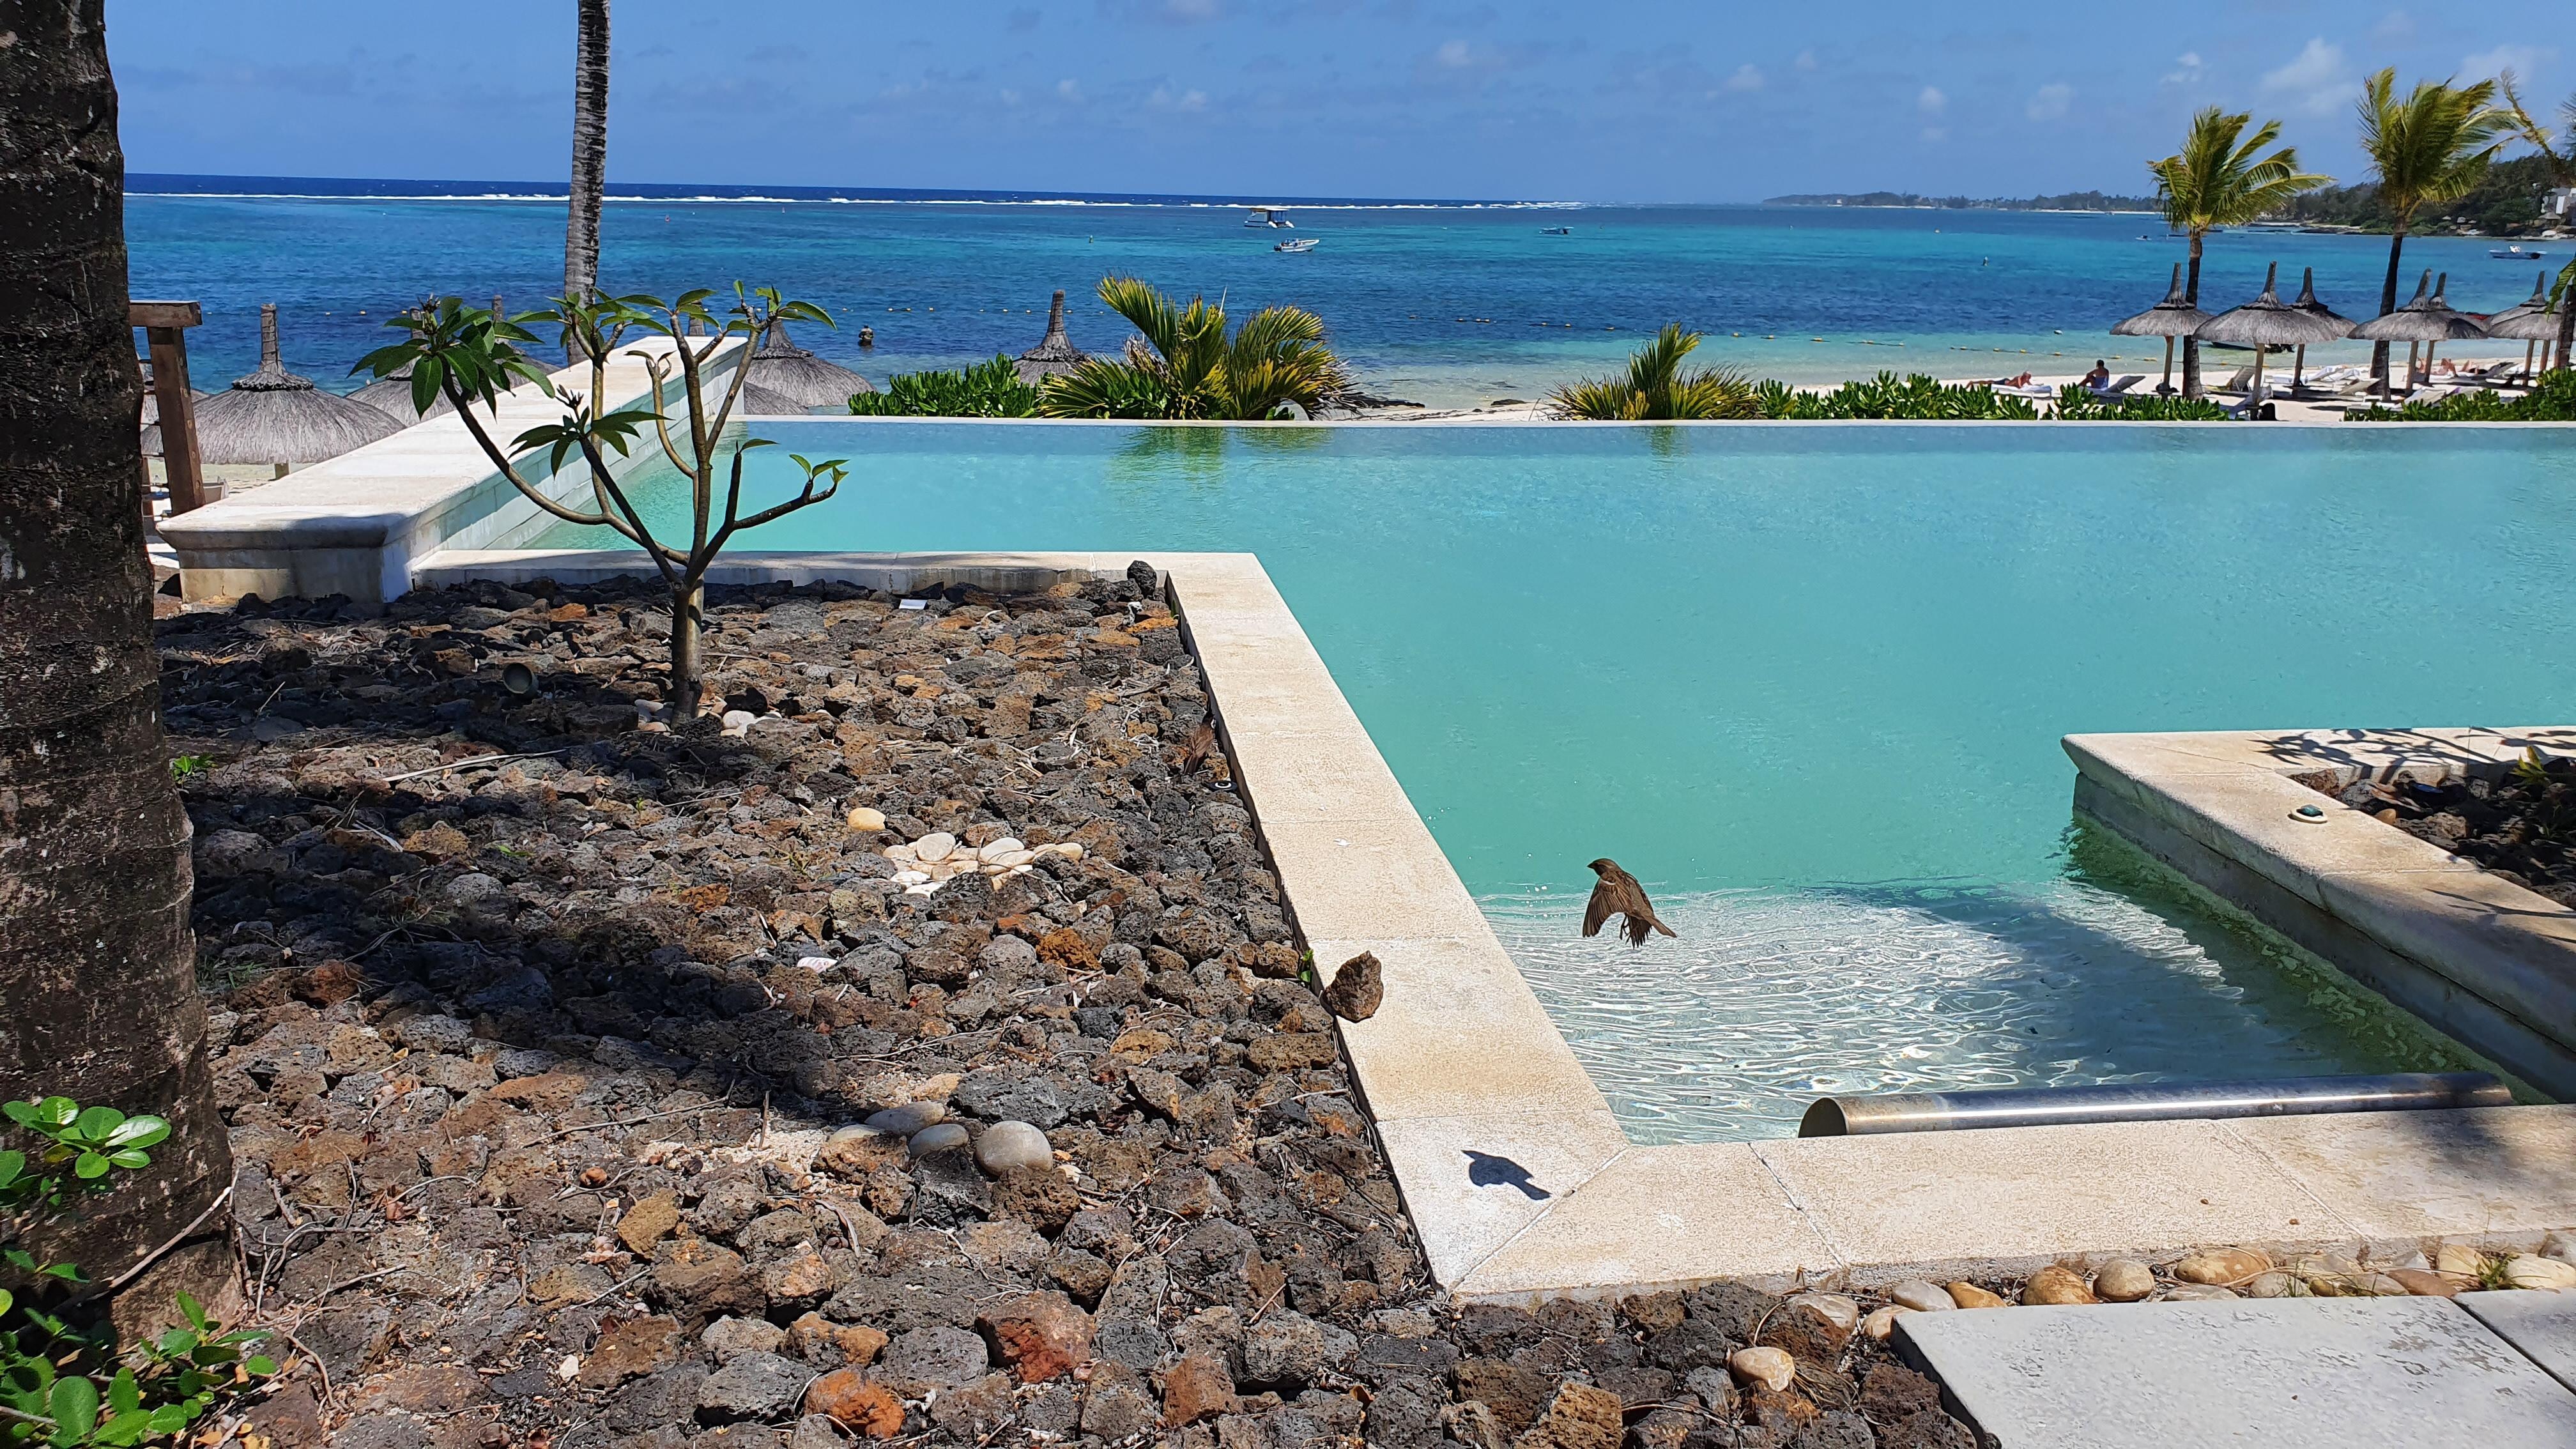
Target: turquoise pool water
[1807,683]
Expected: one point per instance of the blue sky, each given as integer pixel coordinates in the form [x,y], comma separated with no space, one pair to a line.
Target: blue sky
[1611,100]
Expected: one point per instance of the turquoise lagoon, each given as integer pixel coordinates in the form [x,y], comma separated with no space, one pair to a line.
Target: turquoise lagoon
[1807,682]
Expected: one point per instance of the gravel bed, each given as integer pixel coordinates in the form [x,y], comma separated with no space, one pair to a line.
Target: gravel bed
[2521,827]
[593,1081]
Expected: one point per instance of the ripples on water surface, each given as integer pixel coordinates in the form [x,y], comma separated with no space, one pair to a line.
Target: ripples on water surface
[1770,999]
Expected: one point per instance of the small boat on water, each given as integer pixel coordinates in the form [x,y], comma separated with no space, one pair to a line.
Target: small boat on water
[2516,254]
[1269,216]
[1556,231]
[1299,244]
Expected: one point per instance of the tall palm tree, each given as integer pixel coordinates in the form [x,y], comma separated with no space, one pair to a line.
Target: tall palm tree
[589,148]
[1182,364]
[1656,389]
[98,994]
[2220,178]
[2430,148]
[2559,154]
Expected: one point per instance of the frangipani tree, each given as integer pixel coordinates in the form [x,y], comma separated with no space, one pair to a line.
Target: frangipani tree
[470,355]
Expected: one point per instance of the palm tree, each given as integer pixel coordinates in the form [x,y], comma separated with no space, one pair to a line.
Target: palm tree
[589,149]
[2430,148]
[2220,179]
[1656,388]
[97,965]
[1181,364]
[2560,156]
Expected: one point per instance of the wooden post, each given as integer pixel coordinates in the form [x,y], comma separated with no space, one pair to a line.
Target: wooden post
[164,324]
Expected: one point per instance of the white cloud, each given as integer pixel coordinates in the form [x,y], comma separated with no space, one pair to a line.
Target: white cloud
[1806,60]
[1747,77]
[2050,101]
[1169,99]
[2522,60]
[2186,70]
[2395,28]
[2319,79]
[1454,54]
[1931,102]
[1066,90]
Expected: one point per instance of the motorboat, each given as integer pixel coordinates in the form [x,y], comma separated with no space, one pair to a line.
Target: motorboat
[2516,254]
[1269,216]
[1556,231]
[1299,245]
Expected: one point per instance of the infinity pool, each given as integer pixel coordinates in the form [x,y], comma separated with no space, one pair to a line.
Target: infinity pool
[1807,682]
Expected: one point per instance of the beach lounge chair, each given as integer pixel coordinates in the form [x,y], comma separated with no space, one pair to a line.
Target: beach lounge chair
[2243,379]
[2028,389]
[2252,406]
[2120,388]
[2499,374]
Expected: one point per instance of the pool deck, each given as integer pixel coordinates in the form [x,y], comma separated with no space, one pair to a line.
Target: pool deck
[1520,1181]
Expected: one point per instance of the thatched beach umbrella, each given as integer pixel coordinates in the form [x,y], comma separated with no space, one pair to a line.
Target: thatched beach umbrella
[781,367]
[2531,323]
[2171,318]
[152,413]
[2327,318]
[276,417]
[2427,319]
[391,393]
[1055,353]
[763,401]
[2268,322]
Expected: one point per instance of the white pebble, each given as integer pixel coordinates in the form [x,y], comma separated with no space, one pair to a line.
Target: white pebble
[1922,1296]
[1882,1321]
[923,889]
[934,847]
[996,849]
[1009,859]
[911,877]
[1770,1367]
[817,964]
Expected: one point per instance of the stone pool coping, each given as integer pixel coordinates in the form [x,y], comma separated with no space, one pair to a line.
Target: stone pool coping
[2488,962]
[1521,1183]
[356,524]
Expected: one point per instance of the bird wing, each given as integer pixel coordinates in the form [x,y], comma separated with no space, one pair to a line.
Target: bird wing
[1600,910]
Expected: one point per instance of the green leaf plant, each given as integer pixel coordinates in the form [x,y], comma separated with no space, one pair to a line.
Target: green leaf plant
[470,355]
[64,1380]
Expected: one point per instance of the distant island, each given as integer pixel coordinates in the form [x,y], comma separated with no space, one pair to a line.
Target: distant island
[2071,201]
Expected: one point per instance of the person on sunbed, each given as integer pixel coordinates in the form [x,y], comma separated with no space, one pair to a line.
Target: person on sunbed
[2100,377]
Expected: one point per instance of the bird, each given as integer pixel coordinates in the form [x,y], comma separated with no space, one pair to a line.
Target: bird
[1202,743]
[1618,894]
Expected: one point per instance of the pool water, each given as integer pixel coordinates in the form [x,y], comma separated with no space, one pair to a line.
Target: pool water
[1807,683]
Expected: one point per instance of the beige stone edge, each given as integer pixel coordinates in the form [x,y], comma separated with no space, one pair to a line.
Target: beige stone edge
[1519,1181]
[359,523]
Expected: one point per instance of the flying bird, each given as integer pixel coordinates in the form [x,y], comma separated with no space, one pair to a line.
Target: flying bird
[1618,894]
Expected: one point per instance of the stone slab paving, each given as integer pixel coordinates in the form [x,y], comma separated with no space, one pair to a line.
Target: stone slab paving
[2316,1373]
[2540,1323]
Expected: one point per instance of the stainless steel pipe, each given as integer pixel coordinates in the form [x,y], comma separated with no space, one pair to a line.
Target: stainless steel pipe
[2149,1102]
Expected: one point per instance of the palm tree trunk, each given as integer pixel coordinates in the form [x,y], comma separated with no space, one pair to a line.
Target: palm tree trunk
[98,993]
[2566,327]
[2191,345]
[589,149]
[2387,304]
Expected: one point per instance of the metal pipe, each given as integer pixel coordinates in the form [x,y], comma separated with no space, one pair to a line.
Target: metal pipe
[2149,1102]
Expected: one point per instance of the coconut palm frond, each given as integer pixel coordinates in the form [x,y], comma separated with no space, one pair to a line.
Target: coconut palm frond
[1599,400]
[2221,177]
[1715,393]
[1099,387]
[2432,147]
[1655,388]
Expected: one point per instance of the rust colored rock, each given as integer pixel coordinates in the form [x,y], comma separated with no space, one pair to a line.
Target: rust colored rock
[2057,1283]
[1065,947]
[329,984]
[630,1350]
[648,1222]
[2426,1284]
[1039,1336]
[1514,1394]
[856,1403]
[2222,1267]
[1969,1295]
[1289,1051]
[1579,1417]
[1197,1387]
[820,1340]
[1358,988]
[1041,1196]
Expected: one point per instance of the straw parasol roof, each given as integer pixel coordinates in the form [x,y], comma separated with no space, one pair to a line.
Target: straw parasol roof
[2531,321]
[1055,353]
[760,400]
[781,367]
[2172,317]
[2308,303]
[2267,321]
[2424,319]
[272,416]
[152,412]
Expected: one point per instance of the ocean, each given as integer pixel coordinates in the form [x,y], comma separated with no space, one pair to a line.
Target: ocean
[1448,303]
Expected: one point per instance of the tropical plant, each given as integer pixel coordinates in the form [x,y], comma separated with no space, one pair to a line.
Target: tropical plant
[97,989]
[2552,399]
[2221,178]
[2558,153]
[1887,396]
[2429,148]
[2078,403]
[1656,389]
[986,390]
[64,1382]
[1182,364]
[589,149]
[469,354]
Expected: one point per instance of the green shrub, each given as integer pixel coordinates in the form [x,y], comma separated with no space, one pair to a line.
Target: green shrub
[1655,388]
[1888,396]
[2077,403]
[63,1382]
[2552,399]
[986,390]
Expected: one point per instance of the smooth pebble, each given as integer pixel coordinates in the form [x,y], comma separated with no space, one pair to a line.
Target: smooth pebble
[909,1118]
[945,1137]
[1012,1147]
